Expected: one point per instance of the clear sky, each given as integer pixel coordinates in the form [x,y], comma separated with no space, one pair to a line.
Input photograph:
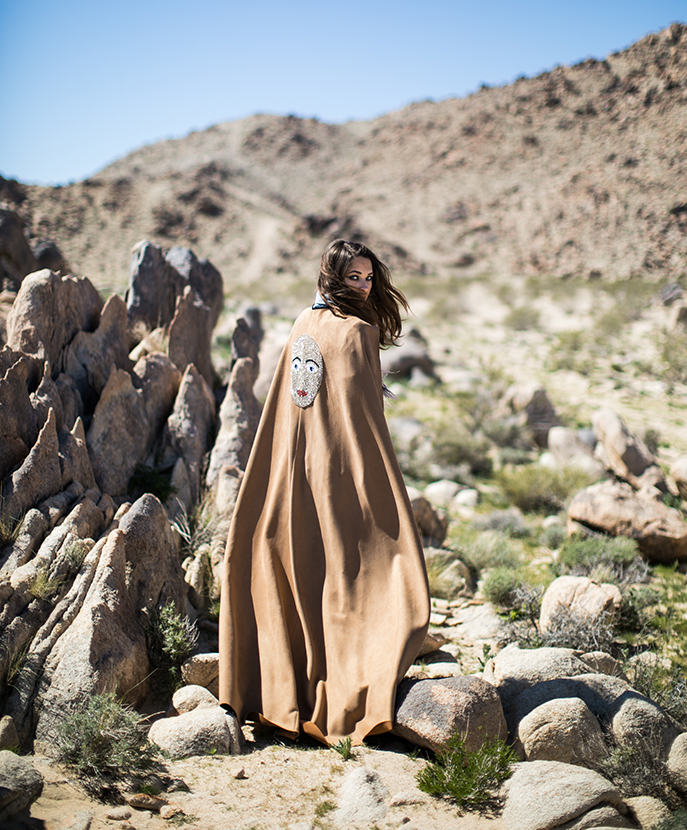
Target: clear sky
[83,82]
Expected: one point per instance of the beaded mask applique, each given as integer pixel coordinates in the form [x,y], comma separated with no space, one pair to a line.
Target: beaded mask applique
[307,368]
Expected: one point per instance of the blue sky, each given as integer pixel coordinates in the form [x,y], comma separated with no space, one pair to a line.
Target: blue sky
[84,82]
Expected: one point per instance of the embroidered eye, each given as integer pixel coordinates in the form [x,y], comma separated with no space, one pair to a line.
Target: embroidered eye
[311,366]
[296,364]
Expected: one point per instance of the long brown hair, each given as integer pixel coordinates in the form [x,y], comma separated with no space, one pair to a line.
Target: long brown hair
[382,307]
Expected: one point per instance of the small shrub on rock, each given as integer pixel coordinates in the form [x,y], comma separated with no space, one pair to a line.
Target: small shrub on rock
[469,778]
[172,637]
[537,489]
[104,742]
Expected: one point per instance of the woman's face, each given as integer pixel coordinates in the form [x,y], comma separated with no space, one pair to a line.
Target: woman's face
[359,276]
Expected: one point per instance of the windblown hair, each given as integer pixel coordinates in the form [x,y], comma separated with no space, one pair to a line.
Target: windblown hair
[384,303]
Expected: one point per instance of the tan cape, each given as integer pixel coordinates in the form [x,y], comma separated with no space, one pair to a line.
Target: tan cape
[324,594]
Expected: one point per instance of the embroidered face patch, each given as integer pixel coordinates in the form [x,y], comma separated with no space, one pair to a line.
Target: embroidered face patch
[307,368]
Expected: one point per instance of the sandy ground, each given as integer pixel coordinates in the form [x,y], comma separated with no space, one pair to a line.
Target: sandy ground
[272,786]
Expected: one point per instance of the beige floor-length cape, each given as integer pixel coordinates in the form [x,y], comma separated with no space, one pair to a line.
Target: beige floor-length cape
[324,593]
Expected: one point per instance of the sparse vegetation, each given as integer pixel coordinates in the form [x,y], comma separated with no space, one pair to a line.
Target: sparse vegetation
[604,558]
[469,778]
[522,318]
[500,585]
[104,742]
[537,489]
[343,747]
[172,636]
[43,585]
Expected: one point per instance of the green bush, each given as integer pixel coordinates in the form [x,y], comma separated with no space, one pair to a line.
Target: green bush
[489,550]
[537,489]
[612,558]
[522,318]
[469,778]
[500,585]
[104,742]
[453,445]
[553,537]
[172,637]
[509,522]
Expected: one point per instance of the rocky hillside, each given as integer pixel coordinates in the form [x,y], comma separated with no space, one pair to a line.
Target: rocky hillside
[577,172]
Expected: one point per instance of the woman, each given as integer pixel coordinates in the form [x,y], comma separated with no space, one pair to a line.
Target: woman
[324,593]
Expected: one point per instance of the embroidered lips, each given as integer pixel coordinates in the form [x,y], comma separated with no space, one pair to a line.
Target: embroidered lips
[307,368]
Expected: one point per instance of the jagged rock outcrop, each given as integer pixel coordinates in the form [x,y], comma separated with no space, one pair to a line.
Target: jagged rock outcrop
[16,257]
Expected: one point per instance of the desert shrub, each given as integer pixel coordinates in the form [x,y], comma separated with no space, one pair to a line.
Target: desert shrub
[570,352]
[172,637]
[10,526]
[453,445]
[652,439]
[443,577]
[197,527]
[489,550]
[633,610]
[509,522]
[585,632]
[537,489]
[672,351]
[104,741]
[500,584]
[147,479]
[678,821]
[665,686]
[605,558]
[637,767]
[506,433]
[522,318]
[522,623]
[469,778]
[553,537]
[516,457]
[43,585]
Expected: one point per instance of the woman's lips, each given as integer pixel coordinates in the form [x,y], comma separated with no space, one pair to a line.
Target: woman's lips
[301,392]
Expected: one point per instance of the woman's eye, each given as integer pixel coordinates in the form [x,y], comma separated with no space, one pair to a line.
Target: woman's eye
[311,367]
[296,364]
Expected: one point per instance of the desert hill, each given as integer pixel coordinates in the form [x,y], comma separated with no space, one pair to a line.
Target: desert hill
[578,172]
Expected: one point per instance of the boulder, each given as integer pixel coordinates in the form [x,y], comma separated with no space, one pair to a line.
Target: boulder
[48,255]
[155,575]
[515,669]
[156,279]
[677,763]
[20,784]
[582,597]
[362,799]
[48,311]
[616,509]
[16,257]
[628,715]
[72,404]
[531,404]
[202,670]
[158,379]
[190,335]
[189,427]
[560,730]
[88,359]
[429,712]
[104,649]
[647,811]
[200,731]
[9,739]
[18,419]
[228,483]
[441,492]
[245,342]
[39,476]
[570,450]
[113,446]
[47,397]
[542,795]
[75,463]
[239,416]
[431,524]
[624,453]
[679,473]
[410,354]
[191,697]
